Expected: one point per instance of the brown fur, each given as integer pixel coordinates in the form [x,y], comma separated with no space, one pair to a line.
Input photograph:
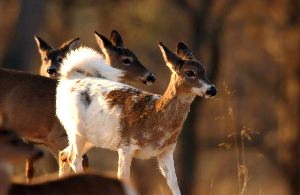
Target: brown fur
[28,103]
[12,150]
[91,184]
[143,111]
[156,121]
[52,57]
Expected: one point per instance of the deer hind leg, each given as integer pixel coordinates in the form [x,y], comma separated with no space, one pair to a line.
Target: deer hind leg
[78,150]
[166,165]
[29,169]
[63,158]
[125,158]
[85,162]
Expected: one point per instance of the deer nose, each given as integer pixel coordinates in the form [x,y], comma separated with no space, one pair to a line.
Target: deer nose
[212,91]
[51,70]
[151,78]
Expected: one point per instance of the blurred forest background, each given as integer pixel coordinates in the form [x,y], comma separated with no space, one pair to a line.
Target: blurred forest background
[247,139]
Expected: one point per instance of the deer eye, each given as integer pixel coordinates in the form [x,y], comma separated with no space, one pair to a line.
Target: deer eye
[126,61]
[15,142]
[190,74]
[59,59]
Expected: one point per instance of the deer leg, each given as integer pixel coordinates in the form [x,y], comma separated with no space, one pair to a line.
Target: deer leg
[85,162]
[125,157]
[29,169]
[78,149]
[64,167]
[166,165]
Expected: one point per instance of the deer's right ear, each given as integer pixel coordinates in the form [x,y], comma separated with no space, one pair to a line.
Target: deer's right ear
[41,44]
[102,41]
[171,59]
[71,44]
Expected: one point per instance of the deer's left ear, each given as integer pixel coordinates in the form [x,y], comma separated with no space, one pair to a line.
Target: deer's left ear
[116,39]
[184,52]
[72,44]
[41,44]
[171,59]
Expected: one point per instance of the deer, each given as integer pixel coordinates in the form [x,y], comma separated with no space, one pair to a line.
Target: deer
[28,100]
[87,183]
[14,150]
[125,119]
[51,57]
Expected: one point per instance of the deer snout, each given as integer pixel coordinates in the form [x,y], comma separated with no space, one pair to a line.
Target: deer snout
[51,70]
[149,78]
[211,92]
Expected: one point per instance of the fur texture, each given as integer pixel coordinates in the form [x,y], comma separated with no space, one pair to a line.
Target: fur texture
[133,122]
[85,61]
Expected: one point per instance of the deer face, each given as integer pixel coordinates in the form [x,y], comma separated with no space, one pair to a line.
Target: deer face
[122,58]
[51,57]
[14,149]
[190,75]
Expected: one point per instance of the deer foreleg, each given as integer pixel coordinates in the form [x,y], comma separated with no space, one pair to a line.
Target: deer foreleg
[125,157]
[166,165]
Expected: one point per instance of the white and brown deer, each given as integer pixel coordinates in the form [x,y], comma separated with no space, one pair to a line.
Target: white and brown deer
[28,101]
[13,151]
[52,57]
[125,119]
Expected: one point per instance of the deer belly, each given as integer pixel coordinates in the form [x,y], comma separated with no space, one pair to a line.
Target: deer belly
[147,152]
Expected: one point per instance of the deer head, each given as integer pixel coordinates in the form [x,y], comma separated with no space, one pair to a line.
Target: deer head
[122,58]
[51,57]
[188,74]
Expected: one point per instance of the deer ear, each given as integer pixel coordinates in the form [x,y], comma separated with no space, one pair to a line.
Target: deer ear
[41,44]
[184,52]
[102,41]
[72,44]
[116,39]
[171,59]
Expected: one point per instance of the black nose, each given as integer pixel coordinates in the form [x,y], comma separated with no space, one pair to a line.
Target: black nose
[51,70]
[151,78]
[212,91]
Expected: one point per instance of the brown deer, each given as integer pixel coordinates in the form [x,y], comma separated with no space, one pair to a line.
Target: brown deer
[52,57]
[88,183]
[125,119]
[13,150]
[28,100]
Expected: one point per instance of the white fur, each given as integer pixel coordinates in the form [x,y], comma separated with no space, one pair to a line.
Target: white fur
[85,60]
[166,165]
[98,123]
[201,91]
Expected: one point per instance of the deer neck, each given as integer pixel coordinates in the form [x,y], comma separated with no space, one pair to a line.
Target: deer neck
[174,98]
